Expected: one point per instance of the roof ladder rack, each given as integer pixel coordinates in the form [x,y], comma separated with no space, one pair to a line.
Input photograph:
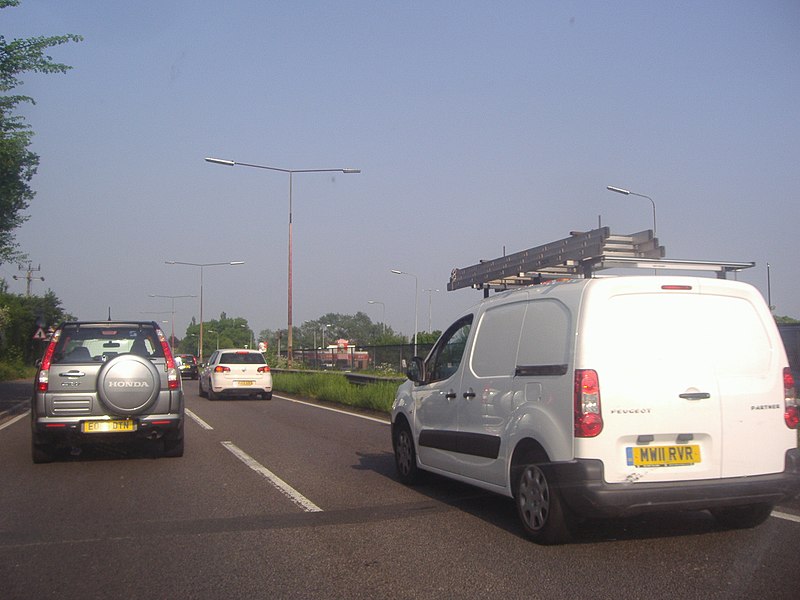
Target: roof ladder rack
[579,255]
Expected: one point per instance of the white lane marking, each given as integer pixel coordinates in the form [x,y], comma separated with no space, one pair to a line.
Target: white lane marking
[336,410]
[197,419]
[291,493]
[14,420]
[787,516]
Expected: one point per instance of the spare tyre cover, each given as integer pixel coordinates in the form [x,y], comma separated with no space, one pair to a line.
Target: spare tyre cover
[128,384]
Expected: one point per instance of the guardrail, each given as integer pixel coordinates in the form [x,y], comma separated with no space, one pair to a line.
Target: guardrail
[354,378]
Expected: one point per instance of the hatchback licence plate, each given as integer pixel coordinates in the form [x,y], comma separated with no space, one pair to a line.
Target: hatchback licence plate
[244,382]
[663,456]
[116,426]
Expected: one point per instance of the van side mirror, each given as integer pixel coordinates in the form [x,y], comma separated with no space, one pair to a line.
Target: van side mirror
[416,370]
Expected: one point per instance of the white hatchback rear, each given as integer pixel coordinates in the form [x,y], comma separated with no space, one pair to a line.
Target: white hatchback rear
[236,372]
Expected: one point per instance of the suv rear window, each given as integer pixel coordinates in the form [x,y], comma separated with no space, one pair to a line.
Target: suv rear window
[242,358]
[102,343]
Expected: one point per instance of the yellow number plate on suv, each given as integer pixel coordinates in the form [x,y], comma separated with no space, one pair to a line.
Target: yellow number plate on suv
[115,426]
[663,456]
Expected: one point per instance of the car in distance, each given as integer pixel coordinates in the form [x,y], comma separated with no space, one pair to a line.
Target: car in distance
[109,381]
[236,372]
[188,366]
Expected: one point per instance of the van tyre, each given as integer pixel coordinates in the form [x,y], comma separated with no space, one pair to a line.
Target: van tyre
[540,507]
[405,455]
[742,517]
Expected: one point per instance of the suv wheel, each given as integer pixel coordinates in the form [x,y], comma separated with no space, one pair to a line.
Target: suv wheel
[405,455]
[42,453]
[540,507]
[173,446]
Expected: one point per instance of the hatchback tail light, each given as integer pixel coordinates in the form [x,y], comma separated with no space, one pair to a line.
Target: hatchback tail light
[173,377]
[264,369]
[588,418]
[43,381]
[791,412]
[221,369]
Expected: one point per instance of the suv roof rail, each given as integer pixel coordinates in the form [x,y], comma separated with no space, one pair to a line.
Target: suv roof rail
[579,256]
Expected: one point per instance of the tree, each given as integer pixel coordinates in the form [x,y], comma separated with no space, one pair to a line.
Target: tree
[17,163]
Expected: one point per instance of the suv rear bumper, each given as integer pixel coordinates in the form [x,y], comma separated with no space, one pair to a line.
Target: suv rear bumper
[585,491]
[47,429]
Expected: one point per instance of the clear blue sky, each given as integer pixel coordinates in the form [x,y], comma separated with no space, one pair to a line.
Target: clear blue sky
[478,126]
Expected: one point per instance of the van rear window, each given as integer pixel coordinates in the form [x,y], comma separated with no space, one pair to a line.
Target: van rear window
[725,332]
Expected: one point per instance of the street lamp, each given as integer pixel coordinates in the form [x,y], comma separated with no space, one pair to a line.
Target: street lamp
[172,340]
[216,332]
[252,335]
[202,266]
[430,294]
[416,293]
[383,318]
[291,172]
[611,188]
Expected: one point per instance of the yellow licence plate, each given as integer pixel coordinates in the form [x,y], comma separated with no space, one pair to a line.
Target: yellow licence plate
[663,456]
[108,426]
[244,382]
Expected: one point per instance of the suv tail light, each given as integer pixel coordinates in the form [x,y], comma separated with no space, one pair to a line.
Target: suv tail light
[264,369]
[43,381]
[588,418]
[173,376]
[791,412]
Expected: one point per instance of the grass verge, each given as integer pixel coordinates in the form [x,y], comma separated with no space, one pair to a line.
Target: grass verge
[334,388]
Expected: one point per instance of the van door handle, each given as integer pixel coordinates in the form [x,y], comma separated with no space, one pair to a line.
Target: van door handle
[451,395]
[695,396]
[469,394]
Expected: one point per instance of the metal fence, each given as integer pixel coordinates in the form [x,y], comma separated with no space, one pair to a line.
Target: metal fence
[388,359]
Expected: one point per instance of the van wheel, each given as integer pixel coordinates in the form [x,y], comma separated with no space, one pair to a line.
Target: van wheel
[405,455]
[742,517]
[540,507]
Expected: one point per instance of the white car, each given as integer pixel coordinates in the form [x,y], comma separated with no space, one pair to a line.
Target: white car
[236,372]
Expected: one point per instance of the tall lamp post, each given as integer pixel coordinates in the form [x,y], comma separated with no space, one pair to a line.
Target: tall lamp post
[416,294]
[291,172]
[202,266]
[611,188]
[172,319]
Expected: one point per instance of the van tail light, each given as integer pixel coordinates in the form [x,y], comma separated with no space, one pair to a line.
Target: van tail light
[43,380]
[221,369]
[264,369]
[588,418]
[791,412]
[173,377]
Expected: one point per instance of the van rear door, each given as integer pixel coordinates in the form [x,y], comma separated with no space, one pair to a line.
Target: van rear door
[690,379]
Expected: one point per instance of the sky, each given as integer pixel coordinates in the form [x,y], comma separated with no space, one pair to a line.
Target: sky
[479,128]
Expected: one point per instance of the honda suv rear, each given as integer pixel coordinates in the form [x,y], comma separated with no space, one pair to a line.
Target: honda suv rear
[109,382]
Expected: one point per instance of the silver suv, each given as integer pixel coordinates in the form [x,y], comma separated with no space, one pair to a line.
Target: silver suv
[107,381]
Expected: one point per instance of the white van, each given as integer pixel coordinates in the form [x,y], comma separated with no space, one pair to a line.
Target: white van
[608,397]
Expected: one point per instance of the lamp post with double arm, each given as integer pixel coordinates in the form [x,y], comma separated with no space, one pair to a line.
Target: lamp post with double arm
[291,172]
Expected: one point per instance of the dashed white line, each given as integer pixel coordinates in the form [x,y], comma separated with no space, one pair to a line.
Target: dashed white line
[14,420]
[787,516]
[291,493]
[198,420]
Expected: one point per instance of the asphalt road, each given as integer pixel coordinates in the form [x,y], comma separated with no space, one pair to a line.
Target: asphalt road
[284,499]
